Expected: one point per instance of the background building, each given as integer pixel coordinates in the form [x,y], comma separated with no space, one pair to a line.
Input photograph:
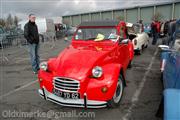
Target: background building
[163,11]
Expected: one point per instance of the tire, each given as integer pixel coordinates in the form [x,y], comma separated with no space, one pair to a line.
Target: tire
[115,101]
[161,77]
[146,46]
[140,51]
[130,64]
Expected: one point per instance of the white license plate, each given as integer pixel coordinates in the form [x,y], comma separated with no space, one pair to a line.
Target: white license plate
[66,95]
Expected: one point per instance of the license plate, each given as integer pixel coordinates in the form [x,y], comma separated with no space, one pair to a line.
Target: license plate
[66,95]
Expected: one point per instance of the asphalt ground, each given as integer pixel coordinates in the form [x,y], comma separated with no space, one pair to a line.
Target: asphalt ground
[18,89]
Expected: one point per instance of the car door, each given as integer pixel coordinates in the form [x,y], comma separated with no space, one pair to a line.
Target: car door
[170,74]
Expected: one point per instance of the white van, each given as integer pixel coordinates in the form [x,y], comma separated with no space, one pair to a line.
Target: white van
[45,26]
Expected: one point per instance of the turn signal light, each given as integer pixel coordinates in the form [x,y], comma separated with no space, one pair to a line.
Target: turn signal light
[135,42]
[104,89]
[40,79]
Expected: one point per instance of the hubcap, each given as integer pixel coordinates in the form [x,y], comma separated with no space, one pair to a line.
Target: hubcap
[119,89]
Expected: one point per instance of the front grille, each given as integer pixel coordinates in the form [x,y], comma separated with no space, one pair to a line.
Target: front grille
[66,84]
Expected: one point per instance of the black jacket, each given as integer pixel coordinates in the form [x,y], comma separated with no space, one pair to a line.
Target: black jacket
[153,28]
[31,33]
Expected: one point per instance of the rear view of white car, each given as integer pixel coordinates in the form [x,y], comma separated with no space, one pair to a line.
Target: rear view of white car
[139,39]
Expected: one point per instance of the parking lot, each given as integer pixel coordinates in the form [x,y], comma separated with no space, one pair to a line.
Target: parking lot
[19,87]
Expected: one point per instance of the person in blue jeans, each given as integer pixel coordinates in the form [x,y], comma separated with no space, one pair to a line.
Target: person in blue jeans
[32,36]
[154,32]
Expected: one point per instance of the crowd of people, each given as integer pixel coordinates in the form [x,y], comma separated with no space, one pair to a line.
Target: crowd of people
[164,29]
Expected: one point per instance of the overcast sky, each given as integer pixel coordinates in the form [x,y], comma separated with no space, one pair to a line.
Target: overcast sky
[53,8]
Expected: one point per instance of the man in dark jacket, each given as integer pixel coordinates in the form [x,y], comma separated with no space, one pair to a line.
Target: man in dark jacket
[171,30]
[32,36]
[154,32]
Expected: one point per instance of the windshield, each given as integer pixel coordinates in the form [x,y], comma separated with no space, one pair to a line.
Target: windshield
[134,29]
[96,34]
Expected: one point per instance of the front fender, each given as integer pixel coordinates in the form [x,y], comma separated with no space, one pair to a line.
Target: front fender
[109,80]
[45,79]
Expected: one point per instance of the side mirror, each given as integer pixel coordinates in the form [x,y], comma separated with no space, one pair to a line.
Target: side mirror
[164,48]
[125,41]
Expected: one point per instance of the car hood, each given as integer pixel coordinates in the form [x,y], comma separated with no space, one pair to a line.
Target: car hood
[77,61]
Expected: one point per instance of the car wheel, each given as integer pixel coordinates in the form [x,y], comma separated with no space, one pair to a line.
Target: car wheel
[140,51]
[115,101]
[130,64]
[161,77]
[146,46]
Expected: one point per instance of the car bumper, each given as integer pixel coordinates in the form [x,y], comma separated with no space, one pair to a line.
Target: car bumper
[71,102]
[136,49]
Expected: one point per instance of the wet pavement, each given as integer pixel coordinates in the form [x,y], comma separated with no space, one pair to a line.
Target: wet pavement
[18,89]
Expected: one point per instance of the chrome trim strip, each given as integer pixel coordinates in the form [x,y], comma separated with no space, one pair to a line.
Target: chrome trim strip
[66,84]
[71,102]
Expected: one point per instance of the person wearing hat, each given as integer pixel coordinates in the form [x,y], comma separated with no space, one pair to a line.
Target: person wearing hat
[32,36]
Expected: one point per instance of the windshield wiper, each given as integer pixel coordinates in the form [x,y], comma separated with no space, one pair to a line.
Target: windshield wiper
[91,38]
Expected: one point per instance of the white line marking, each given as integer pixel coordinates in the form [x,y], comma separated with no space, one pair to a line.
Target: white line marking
[18,89]
[18,60]
[135,97]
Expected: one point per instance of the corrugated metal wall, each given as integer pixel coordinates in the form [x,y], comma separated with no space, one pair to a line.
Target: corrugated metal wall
[146,14]
[118,13]
[177,10]
[85,17]
[132,15]
[76,20]
[167,11]
[95,16]
[107,15]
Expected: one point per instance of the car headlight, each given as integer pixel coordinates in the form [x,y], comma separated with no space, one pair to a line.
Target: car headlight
[97,72]
[135,42]
[44,66]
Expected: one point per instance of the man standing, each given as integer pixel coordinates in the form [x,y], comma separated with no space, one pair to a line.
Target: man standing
[32,37]
[142,25]
[171,30]
[154,32]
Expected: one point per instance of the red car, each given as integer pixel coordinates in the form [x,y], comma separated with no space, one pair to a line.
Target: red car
[90,72]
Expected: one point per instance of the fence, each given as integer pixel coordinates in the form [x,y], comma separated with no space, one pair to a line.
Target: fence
[19,40]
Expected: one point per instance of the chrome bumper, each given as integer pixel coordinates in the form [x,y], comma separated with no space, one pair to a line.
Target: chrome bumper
[136,49]
[71,102]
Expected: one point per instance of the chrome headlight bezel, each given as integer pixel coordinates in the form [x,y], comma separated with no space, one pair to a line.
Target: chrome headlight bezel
[44,66]
[97,72]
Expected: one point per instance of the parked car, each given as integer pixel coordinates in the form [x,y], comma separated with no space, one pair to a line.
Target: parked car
[171,104]
[70,31]
[170,69]
[168,55]
[3,41]
[60,30]
[46,28]
[90,72]
[139,39]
